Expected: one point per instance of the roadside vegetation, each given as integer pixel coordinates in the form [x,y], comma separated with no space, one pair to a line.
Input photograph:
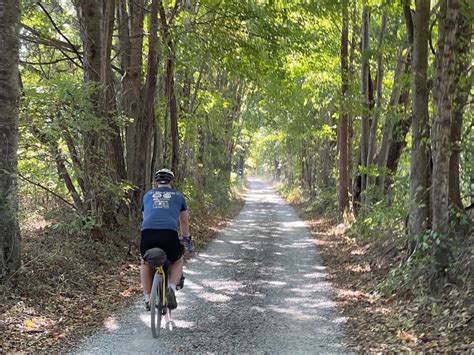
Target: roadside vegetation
[385,295]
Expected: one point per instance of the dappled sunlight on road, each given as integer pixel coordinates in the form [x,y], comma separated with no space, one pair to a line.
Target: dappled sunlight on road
[265,259]
[111,324]
[261,281]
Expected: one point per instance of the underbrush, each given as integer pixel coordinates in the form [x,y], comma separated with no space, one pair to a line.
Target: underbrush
[65,285]
[404,276]
[383,291]
[321,201]
[411,261]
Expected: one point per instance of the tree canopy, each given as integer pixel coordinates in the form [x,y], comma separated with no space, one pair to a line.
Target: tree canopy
[361,106]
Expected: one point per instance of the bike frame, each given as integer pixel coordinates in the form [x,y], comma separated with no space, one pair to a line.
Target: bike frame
[161,271]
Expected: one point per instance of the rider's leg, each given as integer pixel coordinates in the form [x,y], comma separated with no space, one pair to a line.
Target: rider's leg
[176,270]
[146,276]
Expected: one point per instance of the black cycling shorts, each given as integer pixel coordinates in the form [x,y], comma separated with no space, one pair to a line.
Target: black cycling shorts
[166,239]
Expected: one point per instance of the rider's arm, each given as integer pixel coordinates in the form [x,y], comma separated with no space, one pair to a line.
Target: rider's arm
[184,223]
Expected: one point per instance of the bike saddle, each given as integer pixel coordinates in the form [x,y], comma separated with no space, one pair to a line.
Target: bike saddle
[155,257]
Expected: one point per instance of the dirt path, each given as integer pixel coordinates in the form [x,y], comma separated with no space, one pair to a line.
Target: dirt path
[259,287]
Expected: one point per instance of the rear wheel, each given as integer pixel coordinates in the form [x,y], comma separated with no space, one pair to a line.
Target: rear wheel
[156,305]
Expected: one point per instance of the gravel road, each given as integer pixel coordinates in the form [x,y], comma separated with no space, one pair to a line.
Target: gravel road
[258,288]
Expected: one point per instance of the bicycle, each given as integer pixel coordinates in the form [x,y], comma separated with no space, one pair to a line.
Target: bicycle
[157,259]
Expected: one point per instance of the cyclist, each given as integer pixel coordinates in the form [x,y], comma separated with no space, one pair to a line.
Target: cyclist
[163,210]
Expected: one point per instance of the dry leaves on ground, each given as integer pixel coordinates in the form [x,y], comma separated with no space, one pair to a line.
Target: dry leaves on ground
[377,323]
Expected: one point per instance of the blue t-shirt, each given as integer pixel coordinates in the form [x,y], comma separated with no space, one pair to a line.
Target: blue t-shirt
[161,208]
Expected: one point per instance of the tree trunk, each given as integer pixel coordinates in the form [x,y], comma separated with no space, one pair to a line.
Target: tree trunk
[378,111]
[463,87]
[170,90]
[233,114]
[328,154]
[352,158]
[130,18]
[344,115]
[9,102]
[391,122]
[145,122]
[398,139]
[124,44]
[103,150]
[63,173]
[157,159]
[89,15]
[418,221]
[114,145]
[74,154]
[365,126]
[397,144]
[441,132]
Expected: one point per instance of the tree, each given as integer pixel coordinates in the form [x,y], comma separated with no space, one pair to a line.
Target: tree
[343,133]
[395,127]
[418,221]
[441,131]
[9,102]
[170,86]
[140,131]
[379,90]
[130,34]
[365,88]
[96,20]
[462,86]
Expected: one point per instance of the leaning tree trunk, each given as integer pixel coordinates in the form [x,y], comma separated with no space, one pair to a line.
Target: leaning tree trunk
[395,131]
[398,140]
[378,111]
[390,121]
[441,132]
[9,101]
[418,221]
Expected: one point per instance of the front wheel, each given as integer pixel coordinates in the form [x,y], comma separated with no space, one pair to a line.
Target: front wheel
[156,305]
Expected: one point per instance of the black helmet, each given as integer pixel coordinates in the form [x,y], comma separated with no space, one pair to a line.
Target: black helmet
[164,176]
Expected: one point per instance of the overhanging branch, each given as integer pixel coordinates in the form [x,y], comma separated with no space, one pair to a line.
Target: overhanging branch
[46,189]
[60,32]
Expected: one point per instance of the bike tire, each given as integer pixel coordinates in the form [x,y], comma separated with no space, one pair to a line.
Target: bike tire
[156,305]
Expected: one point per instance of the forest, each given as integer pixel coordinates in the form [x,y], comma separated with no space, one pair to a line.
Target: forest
[360,111]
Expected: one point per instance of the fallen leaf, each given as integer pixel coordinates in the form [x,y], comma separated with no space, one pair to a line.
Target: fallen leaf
[407,337]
